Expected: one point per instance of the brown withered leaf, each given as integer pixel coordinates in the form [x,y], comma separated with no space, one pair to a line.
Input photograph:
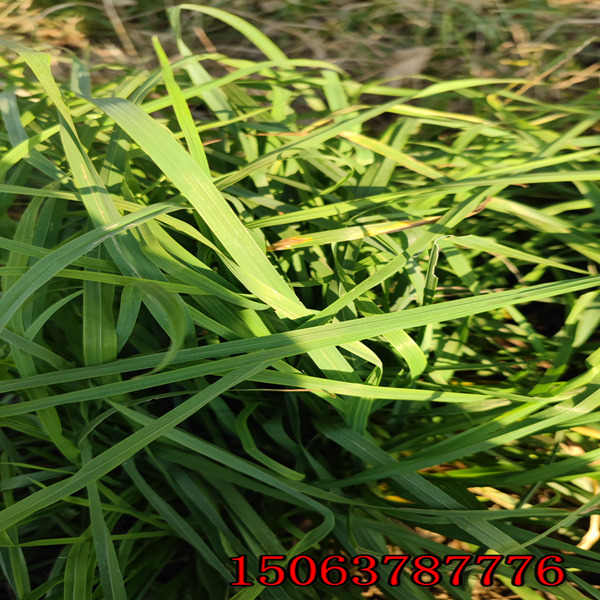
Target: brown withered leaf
[407,62]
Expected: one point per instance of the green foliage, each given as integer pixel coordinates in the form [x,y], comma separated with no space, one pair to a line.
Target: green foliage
[181,387]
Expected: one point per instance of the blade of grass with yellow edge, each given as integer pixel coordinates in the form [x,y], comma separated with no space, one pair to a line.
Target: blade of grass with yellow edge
[356,233]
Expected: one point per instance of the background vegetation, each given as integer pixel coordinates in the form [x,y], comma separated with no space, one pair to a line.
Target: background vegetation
[297,280]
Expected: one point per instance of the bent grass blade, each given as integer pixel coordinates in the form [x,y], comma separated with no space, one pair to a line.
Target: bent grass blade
[356,233]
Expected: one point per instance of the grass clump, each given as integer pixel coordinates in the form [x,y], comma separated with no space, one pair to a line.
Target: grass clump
[402,41]
[252,314]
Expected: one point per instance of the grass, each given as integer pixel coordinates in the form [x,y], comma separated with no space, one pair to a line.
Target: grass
[444,39]
[262,313]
